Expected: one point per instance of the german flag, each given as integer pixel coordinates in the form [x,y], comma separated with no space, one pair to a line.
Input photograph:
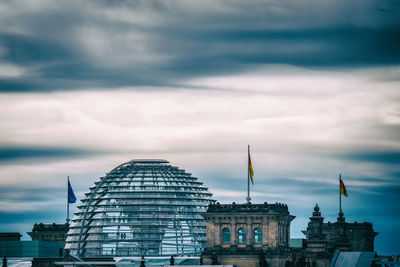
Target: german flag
[343,190]
[251,172]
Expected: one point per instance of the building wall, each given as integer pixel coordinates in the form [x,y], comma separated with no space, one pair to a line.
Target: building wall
[274,222]
[275,228]
[322,239]
[240,260]
[341,235]
[49,232]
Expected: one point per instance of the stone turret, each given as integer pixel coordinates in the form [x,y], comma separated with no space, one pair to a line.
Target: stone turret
[315,238]
[322,239]
[340,240]
[315,225]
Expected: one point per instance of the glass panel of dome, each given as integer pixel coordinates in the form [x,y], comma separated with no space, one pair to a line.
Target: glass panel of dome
[150,201]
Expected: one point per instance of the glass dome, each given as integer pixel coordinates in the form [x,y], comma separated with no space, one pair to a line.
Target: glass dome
[141,208]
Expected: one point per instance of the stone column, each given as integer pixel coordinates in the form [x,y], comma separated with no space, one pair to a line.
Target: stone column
[282,234]
[233,231]
[272,233]
[264,229]
[279,233]
[218,232]
[281,229]
[210,232]
[249,234]
[288,232]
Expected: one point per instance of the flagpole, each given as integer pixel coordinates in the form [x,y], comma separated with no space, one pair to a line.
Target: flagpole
[340,195]
[67,201]
[248,174]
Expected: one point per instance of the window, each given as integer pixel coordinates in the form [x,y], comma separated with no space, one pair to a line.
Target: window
[242,235]
[226,235]
[257,235]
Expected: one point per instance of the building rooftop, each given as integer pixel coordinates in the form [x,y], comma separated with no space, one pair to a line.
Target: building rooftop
[50,227]
[248,207]
[149,161]
[10,236]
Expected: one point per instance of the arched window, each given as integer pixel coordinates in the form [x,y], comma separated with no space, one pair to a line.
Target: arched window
[257,235]
[226,235]
[242,235]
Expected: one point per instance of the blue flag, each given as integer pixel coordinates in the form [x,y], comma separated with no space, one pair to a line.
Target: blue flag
[71,195]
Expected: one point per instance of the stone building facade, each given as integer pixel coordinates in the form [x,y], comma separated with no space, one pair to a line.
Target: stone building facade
[247,235]
[258,236]
[10,236]
[49,232]
[322,239]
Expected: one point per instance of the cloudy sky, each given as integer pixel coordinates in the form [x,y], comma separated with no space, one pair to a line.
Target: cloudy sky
[312,85]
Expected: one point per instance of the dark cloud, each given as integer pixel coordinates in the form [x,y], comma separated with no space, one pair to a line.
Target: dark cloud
[16,85]
[385,157]
[374,153]
[344,46]
[205,53]
[26,49]
[74,45]
[23,221]
[195,44]
[43,192]
[15,153]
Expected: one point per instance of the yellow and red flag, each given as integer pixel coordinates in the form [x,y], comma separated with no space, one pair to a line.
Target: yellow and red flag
[251,172]
[343,190]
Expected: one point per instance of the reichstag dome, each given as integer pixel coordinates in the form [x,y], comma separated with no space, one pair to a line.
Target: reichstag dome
[141,208]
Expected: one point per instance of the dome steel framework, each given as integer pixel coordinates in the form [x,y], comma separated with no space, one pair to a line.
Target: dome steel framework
[141,208]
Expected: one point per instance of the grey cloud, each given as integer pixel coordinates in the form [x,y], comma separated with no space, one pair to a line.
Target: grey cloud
[26,49]
[43,192]
[48,215]
[386,157]
[325,47]
[372,152]
[15,153]
[194,43]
